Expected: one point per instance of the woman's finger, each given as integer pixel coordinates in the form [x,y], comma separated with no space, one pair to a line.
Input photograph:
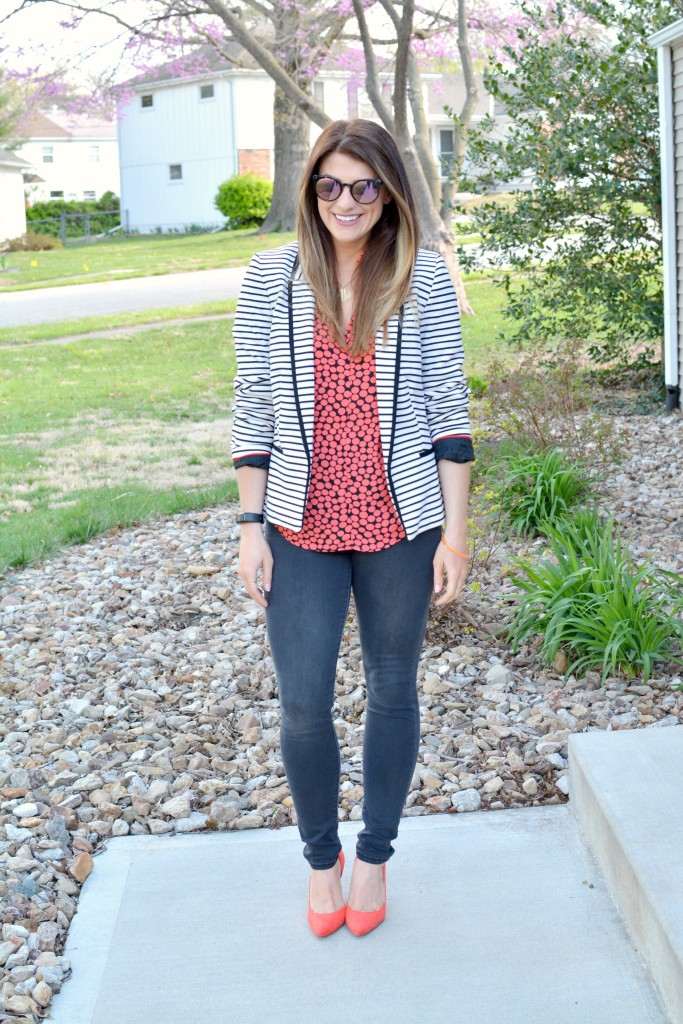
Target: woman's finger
[438,572]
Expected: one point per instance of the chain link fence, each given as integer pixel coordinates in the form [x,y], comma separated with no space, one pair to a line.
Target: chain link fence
[78,227]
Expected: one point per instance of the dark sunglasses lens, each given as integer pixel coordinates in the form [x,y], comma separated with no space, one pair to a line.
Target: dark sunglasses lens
[327,188]
[365,191]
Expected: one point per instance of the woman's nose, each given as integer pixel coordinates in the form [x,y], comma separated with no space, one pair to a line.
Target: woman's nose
[346,200]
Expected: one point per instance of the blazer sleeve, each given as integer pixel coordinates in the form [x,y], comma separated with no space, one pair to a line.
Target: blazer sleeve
[253,417]
[445,386]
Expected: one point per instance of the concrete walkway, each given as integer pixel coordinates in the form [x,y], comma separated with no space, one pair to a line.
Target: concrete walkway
[49,305]
[491,916]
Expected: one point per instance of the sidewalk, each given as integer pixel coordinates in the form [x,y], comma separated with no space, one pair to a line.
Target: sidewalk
[71,301]
[491,916]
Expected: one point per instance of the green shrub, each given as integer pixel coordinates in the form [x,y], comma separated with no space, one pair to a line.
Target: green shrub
[538,487]
[33,242]
[591,600]
[477,385]
[545,400]
[98,216]
[244,199]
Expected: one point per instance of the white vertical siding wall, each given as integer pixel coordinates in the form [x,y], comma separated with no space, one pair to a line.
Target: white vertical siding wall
[180,128]
[253,106]
[12,210]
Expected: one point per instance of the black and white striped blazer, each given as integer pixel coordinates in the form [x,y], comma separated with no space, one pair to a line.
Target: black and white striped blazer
[422,394]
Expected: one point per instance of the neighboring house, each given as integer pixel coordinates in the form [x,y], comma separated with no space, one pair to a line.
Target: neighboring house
[180,136]
[669,43]
[72,156]
[12,203]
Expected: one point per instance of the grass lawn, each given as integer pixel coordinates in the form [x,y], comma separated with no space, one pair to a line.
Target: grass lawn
[137,256]
[101,432]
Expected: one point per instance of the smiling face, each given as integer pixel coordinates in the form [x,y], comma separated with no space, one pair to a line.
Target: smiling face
[348,222]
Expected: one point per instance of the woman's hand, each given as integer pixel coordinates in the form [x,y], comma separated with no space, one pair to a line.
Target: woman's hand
[455,569]
[255,554]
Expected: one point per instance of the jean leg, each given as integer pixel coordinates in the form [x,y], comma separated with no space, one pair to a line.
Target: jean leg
[392,590]
[307,607]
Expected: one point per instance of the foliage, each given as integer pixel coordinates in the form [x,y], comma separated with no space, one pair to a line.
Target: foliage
[108,202]
[74,217]
[33,241]
[10,107]
[244,199]
[580,89]
[538,488]
[592,600]
[544,399]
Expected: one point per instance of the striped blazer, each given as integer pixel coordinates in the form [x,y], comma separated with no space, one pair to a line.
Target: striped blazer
[422,394]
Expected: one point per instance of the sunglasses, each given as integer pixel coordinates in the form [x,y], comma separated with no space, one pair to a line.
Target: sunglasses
[365,190]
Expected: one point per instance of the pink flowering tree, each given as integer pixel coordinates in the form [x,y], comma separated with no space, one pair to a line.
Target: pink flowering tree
[386,45]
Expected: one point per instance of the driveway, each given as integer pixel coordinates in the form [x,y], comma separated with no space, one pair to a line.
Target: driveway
[49,305]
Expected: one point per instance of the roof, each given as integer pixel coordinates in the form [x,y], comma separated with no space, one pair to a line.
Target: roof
[449,90]
[10,159]
[204,60]
[668,35]
[58,124]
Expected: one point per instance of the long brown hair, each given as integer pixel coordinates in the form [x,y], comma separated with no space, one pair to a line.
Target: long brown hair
[382,281]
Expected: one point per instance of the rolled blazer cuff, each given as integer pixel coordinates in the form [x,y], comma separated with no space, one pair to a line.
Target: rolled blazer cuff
[260,460]
[455,449]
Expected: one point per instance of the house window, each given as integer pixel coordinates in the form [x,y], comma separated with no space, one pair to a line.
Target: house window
[147,101]
[90,195]
[94,154]
[48,154]
[445,151]
[206,92]
[56,195]
[319,94]
[175,172]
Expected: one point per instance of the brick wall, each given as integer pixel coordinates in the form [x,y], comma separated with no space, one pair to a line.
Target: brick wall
[256,161]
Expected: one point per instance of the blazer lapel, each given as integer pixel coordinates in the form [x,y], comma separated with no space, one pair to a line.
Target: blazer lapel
[386,365]
[303,304]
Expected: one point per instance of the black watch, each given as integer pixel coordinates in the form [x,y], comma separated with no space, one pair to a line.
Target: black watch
[249,517]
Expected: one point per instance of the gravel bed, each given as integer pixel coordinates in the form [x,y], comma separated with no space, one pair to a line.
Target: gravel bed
[138,696]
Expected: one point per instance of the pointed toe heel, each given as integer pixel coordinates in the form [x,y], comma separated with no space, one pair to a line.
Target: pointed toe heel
[325,924]
[360,922]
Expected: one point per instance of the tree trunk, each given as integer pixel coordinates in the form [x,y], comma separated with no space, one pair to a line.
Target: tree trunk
[434,234]
[292,129]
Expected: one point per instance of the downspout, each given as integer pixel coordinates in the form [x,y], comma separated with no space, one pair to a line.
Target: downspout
[233,127]
[669,227]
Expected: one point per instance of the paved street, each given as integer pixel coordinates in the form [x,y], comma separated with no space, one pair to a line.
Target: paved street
[49,305]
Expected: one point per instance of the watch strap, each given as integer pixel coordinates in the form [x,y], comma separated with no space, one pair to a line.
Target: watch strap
[249,517]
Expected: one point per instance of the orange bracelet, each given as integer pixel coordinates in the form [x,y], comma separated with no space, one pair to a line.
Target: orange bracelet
[459,553]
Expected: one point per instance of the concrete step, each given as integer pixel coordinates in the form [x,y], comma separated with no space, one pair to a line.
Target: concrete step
[491,916]
[626,789]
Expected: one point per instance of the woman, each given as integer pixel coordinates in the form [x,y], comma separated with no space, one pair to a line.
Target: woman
[351,442]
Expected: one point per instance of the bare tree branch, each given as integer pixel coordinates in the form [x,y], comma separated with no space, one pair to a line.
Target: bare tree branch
[403,37]
[371,77]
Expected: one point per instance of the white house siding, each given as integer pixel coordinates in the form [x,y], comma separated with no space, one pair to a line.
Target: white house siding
[210,139]
[73,169]
[254,95]
[677,75]
[12,214]
[179,129]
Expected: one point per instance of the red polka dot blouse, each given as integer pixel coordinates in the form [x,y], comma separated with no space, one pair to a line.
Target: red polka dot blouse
[349,506]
